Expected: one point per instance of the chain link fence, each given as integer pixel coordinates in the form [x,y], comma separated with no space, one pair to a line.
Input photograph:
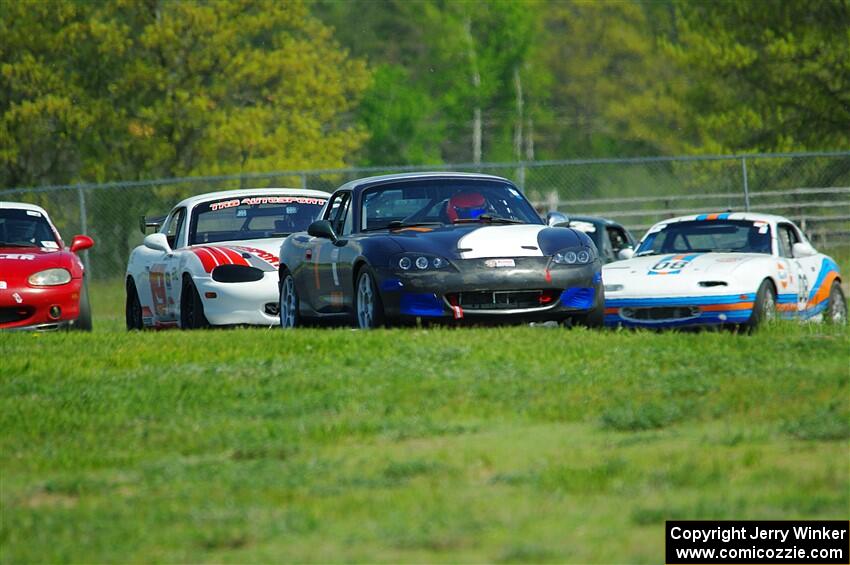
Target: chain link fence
[812,189]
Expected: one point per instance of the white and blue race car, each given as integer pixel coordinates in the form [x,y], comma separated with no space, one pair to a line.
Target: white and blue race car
[719,269]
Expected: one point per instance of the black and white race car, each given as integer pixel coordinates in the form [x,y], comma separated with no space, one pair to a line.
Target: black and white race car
[439,246]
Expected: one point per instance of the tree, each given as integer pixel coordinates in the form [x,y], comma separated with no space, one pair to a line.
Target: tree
[766,76]
[147,89]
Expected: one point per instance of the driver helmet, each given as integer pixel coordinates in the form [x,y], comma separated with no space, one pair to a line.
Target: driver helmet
[466,206]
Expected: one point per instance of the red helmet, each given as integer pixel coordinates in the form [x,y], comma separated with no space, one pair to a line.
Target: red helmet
[466,205]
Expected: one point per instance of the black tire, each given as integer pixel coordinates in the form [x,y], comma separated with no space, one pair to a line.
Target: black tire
[764,308]
[83,322]
[596,317]
[836,310]
[191,308]
[133,308]
[366,280]
[289,305]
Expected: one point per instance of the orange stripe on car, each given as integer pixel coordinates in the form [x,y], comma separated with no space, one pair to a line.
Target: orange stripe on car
[727,307]
[823,292]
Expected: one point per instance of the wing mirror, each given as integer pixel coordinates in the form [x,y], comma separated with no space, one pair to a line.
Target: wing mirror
[801,249]
[157,242]
[322,228]
[625,253]
[81,242]
[554,219]
[155,223]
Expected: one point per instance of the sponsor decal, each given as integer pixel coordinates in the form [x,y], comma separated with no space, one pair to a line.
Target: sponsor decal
[17,298]
[497,263]
[255,200]
[269,258]
[33,213]
[50,244]
[17,256]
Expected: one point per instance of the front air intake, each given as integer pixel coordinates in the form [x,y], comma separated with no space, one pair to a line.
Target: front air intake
[236,274]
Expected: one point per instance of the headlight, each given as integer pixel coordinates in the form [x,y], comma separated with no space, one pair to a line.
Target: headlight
[579,256]
[418,262]
[50,277]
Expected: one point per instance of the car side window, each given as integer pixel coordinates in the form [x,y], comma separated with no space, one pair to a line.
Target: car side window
[337,212]
[618,238]
[787,238]
[174,225]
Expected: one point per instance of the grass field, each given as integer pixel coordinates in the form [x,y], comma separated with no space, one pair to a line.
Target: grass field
[505,444]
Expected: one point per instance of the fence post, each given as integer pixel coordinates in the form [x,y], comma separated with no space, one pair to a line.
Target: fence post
[303,180]
[521,176]
[746,185]
[84,228]
[553,201]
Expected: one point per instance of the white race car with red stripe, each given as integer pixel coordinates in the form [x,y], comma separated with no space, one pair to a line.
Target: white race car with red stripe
[213,260]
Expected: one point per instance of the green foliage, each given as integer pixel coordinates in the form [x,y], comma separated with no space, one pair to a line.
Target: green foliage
[397,115]
[766,76]
[130,90]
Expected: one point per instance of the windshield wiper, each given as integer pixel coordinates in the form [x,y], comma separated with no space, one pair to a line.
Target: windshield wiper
[398,224]
[489,219]
[15,244]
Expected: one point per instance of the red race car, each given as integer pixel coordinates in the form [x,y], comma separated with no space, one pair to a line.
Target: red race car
[42,283]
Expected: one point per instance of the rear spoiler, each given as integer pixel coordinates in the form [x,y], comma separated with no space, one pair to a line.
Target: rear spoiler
[154,222]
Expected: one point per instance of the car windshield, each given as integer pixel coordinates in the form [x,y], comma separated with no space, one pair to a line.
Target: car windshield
[445,201]
[25,228]
[252,217]
[726,236]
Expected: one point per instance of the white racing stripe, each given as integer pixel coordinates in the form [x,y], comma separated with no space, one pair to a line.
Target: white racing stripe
[501,241]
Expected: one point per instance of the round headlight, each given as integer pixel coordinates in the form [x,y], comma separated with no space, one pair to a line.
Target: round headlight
[439,262]
[583,256]
[559,257]
[50,277]
[422,263]
[405,263]
[570,257]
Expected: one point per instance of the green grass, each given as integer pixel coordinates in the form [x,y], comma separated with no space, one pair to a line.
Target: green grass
[505,444]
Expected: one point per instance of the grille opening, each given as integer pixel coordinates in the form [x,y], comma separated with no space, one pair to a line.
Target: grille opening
[15,314]
[660,313]
[502,299]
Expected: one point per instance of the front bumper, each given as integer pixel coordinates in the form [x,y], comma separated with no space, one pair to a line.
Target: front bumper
[678,311]
[474,292]
[30,308]
[250,303]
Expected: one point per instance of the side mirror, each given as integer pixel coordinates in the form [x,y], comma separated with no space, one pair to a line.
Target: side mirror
[81,242]
[322,228]
[155,223]
[554,219]
[157,242]
[625,253]
[801,249]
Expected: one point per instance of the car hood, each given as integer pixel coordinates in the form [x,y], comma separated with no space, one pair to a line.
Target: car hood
[259,253]
[18,263]
[677,273]
[476,241]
